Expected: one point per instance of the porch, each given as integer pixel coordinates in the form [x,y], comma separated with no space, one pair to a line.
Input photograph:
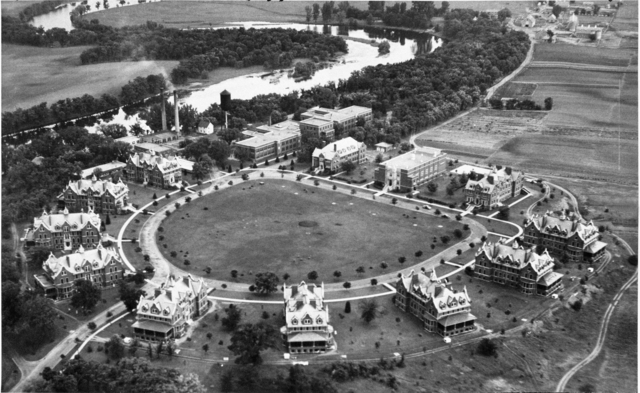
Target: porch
[152,330]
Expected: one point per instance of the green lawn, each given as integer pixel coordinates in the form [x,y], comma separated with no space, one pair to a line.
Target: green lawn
[10,372]
[252,228]
[110,296]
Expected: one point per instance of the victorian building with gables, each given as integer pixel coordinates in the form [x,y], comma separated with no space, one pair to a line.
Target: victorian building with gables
[154,170]
[441,309]
[494,188]
[66,231]
[307,327]
[334,154]
[101,196]
[517,267]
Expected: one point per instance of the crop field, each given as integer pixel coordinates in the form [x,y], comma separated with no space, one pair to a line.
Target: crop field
[627,19]
[31,75]
[281,228]
[568,53]
[516,90]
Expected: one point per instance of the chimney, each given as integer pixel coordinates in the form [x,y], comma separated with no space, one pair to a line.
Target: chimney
[164,113]
[335,147]
[175,101]
[490,179]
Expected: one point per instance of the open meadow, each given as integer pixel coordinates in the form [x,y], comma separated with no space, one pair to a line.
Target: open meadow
[295,228]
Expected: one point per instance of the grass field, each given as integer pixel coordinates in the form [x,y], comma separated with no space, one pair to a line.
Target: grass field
[581,54]
[263,232]
[10,372]
[32,75]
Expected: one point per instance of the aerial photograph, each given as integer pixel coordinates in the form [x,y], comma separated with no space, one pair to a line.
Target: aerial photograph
[305,197]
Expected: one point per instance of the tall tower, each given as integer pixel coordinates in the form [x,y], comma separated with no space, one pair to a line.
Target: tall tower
[175,101]
[164,111]
[225,104]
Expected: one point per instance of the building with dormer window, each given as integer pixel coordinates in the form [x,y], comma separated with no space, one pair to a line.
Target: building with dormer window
[168,312]
[565,237]
[101,266]
[526,270]
[441,309]
[493,188]
[154,170]
[307,327]
[334,154]
[66,231]
[101,196]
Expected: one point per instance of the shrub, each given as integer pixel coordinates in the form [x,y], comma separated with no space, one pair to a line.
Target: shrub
[472,245]
[374,282]
[167,196]
[418,253]
[347,285]
[487,347]
[92,325]
[577,305]
[438,212]
[457,233]
[633,260]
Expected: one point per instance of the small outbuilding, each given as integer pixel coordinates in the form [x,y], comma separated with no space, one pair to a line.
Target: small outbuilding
[383,147]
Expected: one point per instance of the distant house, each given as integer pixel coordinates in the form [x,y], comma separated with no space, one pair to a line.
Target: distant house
[100,266]
[494,188]
[526,270]
[167,313]
[307,328]
[101,196]
[205,127]
[66,231]
[441,309]
[334,154]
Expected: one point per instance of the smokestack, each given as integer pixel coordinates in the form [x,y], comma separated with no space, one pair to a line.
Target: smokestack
[164,113]
[175,101]
[335,147]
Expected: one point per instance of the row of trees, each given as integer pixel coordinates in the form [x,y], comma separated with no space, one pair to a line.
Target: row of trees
[36,9]
[515,104]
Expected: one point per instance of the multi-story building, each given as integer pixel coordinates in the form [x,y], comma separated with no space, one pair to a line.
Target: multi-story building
[101,266]
[171,308]
[526,270]
[569,238]
[154,170]
[67,231]
[493,188]
[280,139]
[347,118]
[334,154]
[110,170]
[307,327]
[101,196]
[410,170]
[441,309]
[317,128]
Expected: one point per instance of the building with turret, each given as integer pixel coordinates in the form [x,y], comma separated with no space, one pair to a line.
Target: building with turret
[66,231]
[334,154]
[566,237]
[517,267]
[307,328]
[101,196]
[494,188]
[440,308]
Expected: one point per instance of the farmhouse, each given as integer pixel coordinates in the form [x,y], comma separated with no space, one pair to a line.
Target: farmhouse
[347,118]
[495,187]
[154,170]
[512,265]
[307,327]
[569,238]
[111,170]
[66,231]
[273,141]
[170,309]
[334,154]
[410,170]
[101,196]
[101,266]
[205,127]
[441,309]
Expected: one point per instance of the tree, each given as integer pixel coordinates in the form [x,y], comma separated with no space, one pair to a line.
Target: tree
[486,347]
[402,259]
[347,285]
[369,309]
[200,172]
[85,295]
[348,166]
[266,283]
[633,260]
[360,269]
[249,340]
[115,347]
[457,233]
[504,213]
[316,12]
[450,189]
[232,320]
[309,12]
[337,274]
[374,282]
[384,47]
[226,381]
[327,11]
[548,103]
[130,296]
[313,275]
[379,158]
[347,307]
[205,348]
[504,14]
[557,10]
[432,187]
[38,256]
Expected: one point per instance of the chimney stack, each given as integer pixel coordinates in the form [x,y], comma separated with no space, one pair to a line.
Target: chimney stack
[175,101]
[164,113]
[335,147]
[490,179]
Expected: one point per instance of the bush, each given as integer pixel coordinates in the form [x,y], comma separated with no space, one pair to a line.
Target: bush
[347,285]
[487,347]
[92,325]
[457,233]
[633,260]
[418,253]
[577,305]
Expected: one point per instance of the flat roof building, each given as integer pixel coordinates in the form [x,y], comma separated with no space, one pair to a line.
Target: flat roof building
[410,170]
[317,128]
[276,142]
[105,170]
[347,118]
[131,140]
[145,147]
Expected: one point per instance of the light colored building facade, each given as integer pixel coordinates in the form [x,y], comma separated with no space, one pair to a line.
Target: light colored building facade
[317,128]
[106,171]
[565,237]
[130,140]
[273,141]
[67,231]
[101,196]
[205,127]
[410,170]
[101,266]
[514,266]
[154,170]
[168,312]
[494,188]
[307,327]
[345,117]
[334,154]
[441,309]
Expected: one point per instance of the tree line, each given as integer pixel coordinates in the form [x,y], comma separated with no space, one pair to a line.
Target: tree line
[34,10]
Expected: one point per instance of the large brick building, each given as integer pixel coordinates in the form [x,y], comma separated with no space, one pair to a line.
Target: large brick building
[101,196]
[317,128]
[441,309]
[154,170]
[347,118]
[565,237]
[101,266]
[272,141]
[410,170]
[512,265]
[493,188]
[67,231]
[171,308]
[334,154]
[307,327]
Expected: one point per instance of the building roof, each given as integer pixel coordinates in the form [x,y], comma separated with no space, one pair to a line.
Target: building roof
[355,110]
[159,135]
[315,121]
[185,164]
[287,126]
[153,147]
[550,278]
[204,123]
[171,295]
[74,263]
[491,179]
[75,221]
[268,138]
[97,187]
[128,139]
[38,160]
[114,165]
[305,337]
[457,318]
[516,256]
[305,301]
[595,247]
[383,144]
[343,146]
[432,288]
[337,115]
[152,325]
[163,164]
[418,156]
[562,226]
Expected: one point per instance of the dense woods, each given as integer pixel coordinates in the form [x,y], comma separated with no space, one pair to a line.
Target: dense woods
[38,9]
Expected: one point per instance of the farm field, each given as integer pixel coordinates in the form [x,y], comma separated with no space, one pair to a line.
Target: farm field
[32,75]
[276,230]
[568,53]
